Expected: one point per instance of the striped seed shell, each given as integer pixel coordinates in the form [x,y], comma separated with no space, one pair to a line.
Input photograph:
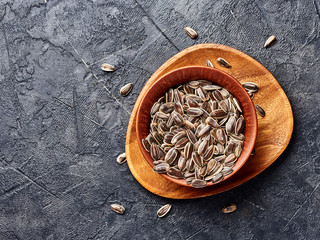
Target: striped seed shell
[217,95]
[192,138]
[197,183]
[194,112]
[203,147]
[239,125]
[117,208]
[182,143]
[223,62]
[191,32]
[190,165]
[237,104]
[221,136]
[231,124]
[202,94]
[178,119]
[238,150]
[177,96]
[161,168]
[121,158]
[217,178]
[231,158]
[171,155]
[175,173]
[209,63]
[211,87]
[188,149]
[260,110]
[126,89]
[229,209]
[270,41]
[155,108]
[146,145]
[197,159]
[154,151]
[250,87]
[218,114]
[107,67]
[164,210]
[178,136]
[204,131]
[182,163]
[208,153]
[211,122]
[167,107]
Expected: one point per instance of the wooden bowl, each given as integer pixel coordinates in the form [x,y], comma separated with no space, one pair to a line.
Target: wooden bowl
[184,75]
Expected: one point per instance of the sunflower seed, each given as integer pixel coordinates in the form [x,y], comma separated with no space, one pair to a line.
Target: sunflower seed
[126,89]
[188,149]
[190,32]
[107,67]
[175,173]
[164,210]
[223,63]
[270,41]
[217,178]
[182,163]
[197,159]
[194,112]
[121,158]
[171,155]
[209,64]
[117,208]
[161,168]
[250,87]
[260,110]
[239,125]
[237,104]
[146,145]
[203,147]
[197,183]
[208,153]
[229,209]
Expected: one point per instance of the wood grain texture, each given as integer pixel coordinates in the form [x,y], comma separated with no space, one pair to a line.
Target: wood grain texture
[274,130]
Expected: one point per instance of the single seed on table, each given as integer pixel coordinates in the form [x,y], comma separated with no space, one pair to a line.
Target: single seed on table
[229,209]
[270,41]
[223,62]
[191,32]
[164,210]
[126,89]
[209,64]
[251,95]
[260,110]
[107,67]
[121,158]
[250,87]
[117,208]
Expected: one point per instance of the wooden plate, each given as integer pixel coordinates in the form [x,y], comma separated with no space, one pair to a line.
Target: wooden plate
[274,130]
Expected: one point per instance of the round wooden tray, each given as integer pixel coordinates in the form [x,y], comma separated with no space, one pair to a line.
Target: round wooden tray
[274,130]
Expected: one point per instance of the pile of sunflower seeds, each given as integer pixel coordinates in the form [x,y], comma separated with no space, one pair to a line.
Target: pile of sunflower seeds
[196,133]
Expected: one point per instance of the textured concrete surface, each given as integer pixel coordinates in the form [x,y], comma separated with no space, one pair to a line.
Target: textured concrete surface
[58,173]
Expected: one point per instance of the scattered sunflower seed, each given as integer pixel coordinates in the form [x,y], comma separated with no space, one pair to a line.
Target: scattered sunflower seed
[117,208]
[164,210]
[121,158]
[250,87]
[270,41]
[260,110]
[126,89]
[209,63]
[191,32]
[223,63]
[107,67]
[229,209]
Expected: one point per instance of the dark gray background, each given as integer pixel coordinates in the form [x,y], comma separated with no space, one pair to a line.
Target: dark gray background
[58,174]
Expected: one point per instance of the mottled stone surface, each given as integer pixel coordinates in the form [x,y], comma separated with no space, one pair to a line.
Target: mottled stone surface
[61,130]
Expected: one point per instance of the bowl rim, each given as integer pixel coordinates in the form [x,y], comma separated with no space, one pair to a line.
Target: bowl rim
[196,67]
